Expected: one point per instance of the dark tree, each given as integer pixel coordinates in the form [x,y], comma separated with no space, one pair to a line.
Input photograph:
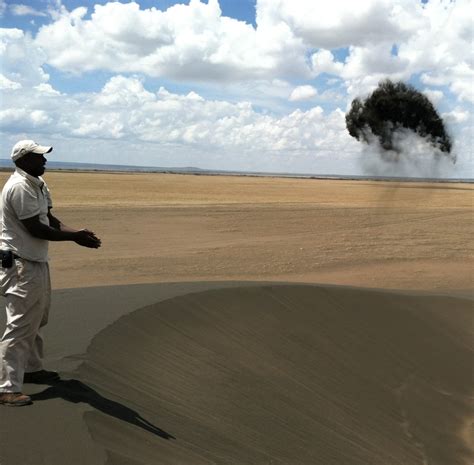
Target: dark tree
[392,106]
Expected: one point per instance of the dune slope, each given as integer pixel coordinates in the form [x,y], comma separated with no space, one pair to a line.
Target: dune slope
[290,374]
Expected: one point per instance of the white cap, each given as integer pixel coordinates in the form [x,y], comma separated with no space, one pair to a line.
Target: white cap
[28,146]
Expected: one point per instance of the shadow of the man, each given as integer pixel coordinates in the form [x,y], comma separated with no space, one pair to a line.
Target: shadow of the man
[75,391]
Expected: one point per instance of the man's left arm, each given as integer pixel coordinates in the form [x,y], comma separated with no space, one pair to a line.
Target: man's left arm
[57,224]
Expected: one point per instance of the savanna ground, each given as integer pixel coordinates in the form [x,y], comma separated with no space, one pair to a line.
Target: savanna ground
[166,227]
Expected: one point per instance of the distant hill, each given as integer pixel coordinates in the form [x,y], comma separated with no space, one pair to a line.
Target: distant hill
[6,165]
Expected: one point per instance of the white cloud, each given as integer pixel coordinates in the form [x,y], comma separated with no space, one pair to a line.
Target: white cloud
[246,73]
[120,91]
[25,117]
[373,60]
[194,42]
[125,109]
[6,83]
[441,48]
[458,115]
[24,10]
[184,42]
[437,47]
[433,38]
[323,62]
[459,77]
[340,23]
[435,96]
[46,89]
[21,59]
[303,93]
[269,95]
[162,127]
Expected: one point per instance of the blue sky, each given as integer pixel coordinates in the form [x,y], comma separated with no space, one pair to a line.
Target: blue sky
[259,85]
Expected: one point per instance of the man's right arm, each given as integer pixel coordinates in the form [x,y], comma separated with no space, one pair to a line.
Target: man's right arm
[45,232]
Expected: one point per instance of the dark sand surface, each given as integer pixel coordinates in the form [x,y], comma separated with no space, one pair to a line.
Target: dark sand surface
[233,373]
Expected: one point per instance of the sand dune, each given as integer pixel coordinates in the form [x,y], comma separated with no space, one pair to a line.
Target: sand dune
[290,375]
[277,374]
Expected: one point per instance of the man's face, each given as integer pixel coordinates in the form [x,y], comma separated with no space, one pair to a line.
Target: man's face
[33,164]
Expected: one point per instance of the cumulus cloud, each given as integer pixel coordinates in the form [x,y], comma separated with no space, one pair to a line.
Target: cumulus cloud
[6,83]
[190,119]
[22,60]
[440,50]
[195,42]
[431,39]
[338,23]
[303,93]
[125,109]
[323,62]
[459,78]
[46,89]
[25,10]
[24,117]
[458,115]
[255,67]
[191,41]
[435,96]
[373,60]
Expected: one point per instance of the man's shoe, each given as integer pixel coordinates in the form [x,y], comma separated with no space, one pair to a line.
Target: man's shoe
[14,399]
[40,377]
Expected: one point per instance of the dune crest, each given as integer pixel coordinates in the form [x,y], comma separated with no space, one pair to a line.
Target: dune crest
[288,374]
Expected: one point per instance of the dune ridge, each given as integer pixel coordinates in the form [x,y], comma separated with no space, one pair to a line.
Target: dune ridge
[286,374]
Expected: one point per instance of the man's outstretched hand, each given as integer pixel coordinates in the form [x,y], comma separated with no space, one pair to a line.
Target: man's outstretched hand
[87,238]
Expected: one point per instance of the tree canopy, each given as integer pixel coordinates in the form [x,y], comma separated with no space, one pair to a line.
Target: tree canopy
[393,106]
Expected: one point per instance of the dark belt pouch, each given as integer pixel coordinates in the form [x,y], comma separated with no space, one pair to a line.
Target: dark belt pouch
[7,257]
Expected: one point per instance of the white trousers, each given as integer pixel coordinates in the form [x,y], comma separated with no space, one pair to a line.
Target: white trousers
[27,290]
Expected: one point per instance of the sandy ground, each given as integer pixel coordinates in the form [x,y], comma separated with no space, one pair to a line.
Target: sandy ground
[168,228]
[179,342]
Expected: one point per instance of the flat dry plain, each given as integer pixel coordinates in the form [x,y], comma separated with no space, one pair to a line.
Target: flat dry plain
[219,355]
[165,227]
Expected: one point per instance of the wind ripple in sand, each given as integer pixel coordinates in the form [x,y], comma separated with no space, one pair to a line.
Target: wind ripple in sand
[288,375]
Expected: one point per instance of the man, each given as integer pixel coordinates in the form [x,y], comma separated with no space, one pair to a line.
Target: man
[27,225]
